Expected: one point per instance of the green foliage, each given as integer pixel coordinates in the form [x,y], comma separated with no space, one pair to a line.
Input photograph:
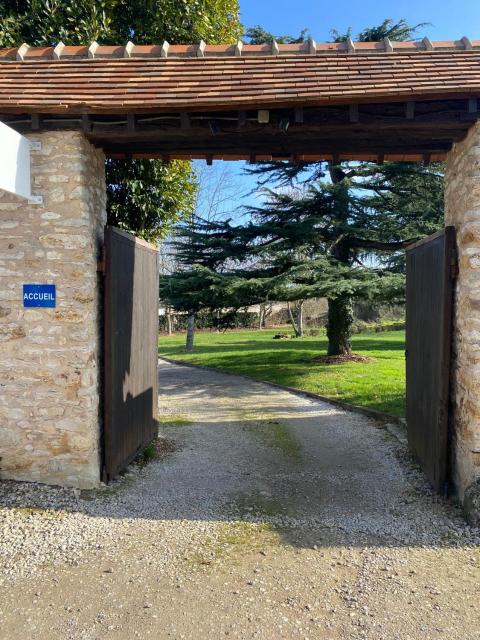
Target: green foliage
[360,326]
[145,197]
[146,455]
[40,22]
[219,320]
[149,196]
[258,35]
[400,30]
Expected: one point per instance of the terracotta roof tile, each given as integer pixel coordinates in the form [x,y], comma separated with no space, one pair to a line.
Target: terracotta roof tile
[82,79]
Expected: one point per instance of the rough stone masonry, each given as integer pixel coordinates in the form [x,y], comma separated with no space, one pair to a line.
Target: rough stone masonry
[462,210]
[49,357]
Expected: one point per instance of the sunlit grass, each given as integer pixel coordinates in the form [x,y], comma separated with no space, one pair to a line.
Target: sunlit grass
[379,384]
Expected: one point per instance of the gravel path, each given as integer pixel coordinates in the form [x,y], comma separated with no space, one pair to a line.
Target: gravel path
[275,517]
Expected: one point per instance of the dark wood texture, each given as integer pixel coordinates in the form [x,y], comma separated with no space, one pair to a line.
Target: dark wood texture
[130,360]
[430,278]
[358,132]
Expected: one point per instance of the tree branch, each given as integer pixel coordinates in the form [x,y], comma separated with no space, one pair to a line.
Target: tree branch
[361,243]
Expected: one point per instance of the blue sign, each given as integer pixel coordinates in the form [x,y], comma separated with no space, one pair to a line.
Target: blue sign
[39,295]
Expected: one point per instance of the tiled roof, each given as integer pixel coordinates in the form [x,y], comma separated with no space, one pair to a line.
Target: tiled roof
[140,78]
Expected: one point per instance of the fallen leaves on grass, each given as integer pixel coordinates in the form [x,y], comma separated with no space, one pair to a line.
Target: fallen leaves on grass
[352,357]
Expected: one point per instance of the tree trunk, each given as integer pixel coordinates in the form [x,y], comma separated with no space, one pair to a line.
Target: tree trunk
[169,321]
[190,331]
[339,325]
[261,316]
[296,320]
[293,322]
[300,319]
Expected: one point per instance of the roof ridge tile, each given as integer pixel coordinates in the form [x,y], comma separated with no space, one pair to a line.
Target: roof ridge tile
[130,50]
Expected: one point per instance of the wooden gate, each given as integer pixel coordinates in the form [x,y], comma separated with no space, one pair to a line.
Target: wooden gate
[130,348]
[431,268]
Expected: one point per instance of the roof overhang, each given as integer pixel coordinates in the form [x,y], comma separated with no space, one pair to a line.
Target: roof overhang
[406,100]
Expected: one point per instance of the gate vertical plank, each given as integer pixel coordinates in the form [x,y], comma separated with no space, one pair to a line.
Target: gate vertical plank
[429,316]
[130,348]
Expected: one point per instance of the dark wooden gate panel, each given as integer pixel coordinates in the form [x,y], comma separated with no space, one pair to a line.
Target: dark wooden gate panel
[430,273]
[130,349]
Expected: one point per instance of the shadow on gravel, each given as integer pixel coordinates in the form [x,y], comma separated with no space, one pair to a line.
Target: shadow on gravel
[316,474]
[312,482]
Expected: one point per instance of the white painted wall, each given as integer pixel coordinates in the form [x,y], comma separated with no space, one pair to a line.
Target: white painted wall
[14,162]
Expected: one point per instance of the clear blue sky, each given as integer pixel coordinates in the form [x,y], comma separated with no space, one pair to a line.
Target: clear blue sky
[449,20]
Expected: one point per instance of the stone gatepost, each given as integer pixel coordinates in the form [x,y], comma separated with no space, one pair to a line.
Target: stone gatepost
[49,357]
[462,210]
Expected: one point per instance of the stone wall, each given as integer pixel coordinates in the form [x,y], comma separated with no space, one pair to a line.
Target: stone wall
[462,210]
[49,369]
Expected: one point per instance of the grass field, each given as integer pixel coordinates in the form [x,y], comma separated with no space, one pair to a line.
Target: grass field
[379,384]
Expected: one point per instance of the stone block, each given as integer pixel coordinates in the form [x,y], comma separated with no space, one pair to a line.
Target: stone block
[49,431]
[462,210]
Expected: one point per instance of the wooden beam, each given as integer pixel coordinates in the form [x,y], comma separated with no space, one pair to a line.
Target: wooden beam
[86,123]
[299,117]
[242,119]
[185,120]
[214,127]
[353,114]
[209,159]
[410,110]
[131,124]
[311,157]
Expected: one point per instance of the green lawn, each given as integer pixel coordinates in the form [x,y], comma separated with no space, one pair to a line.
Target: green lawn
[379,384]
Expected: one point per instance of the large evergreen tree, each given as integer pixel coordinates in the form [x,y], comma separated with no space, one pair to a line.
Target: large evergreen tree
[144,196]
[368,212]
[338,233]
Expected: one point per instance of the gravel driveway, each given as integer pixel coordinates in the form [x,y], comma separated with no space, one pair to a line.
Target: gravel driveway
[275,517]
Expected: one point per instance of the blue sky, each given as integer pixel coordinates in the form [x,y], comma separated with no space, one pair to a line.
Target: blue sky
[448,21]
